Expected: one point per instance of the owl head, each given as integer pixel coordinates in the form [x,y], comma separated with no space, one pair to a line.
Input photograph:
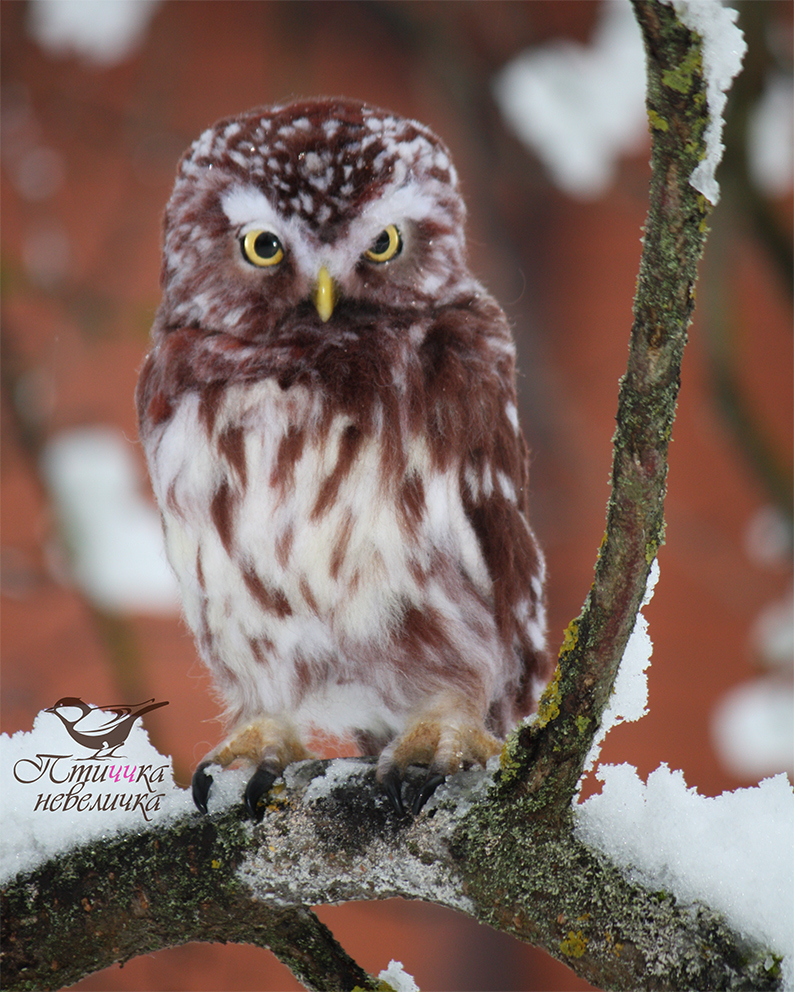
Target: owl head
[325,209]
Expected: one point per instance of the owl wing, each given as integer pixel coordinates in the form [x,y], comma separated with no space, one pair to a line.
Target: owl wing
[494,490]
[470,384]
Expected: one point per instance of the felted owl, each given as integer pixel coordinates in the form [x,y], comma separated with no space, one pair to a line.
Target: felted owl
[329,416]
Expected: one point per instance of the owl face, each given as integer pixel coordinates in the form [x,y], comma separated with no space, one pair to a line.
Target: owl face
[319,211]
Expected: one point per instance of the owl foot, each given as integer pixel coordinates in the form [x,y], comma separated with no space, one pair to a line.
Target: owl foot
[269,743]
[447,737]
[392,784]
[258,787]
[200,786]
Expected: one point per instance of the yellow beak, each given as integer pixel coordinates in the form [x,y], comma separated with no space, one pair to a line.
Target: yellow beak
[324,293]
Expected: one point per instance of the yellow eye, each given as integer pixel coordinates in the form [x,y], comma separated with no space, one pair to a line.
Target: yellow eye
[262,248]
[387,244]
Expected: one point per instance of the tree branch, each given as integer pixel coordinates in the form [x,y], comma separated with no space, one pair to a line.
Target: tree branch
[113,900]
[501,847]
[545,760]
[333,837]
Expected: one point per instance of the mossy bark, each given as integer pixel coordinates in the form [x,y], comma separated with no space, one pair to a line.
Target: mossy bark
[545,887]
[114,900]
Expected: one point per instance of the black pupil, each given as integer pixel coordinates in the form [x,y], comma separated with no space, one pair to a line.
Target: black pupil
[266,245]
[381,244]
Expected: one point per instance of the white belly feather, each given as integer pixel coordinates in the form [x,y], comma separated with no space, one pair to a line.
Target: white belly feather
[347,573]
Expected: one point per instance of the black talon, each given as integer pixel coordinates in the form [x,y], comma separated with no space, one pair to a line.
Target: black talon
[258,787]
[200,786]
[432,782]
[392,786]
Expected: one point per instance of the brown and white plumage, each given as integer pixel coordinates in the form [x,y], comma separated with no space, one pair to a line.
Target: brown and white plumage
[329,417]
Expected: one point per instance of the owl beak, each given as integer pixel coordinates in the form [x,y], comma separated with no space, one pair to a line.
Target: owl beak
[324,294]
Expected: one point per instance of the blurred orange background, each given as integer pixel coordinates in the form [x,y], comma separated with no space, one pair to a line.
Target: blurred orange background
[89,153]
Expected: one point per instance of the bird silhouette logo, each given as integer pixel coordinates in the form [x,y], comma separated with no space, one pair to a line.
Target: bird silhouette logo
[99,728]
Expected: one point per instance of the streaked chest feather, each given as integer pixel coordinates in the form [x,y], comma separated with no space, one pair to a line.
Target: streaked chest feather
[312,519]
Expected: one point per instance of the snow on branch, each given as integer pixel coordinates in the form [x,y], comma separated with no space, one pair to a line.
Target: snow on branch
[722,49]
[331,836]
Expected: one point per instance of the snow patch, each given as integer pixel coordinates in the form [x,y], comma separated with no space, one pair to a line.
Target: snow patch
[723,50]
[579,108]
[398,978]
[113,536]
[629,699]
[753,727]
[733,852]
[228,786]
[770,135]
[103,32]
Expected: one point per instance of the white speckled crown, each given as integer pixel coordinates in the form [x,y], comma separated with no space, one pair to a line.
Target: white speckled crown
[321,159]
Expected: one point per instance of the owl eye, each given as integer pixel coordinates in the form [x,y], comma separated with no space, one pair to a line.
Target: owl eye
[262,248]
[387,244]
